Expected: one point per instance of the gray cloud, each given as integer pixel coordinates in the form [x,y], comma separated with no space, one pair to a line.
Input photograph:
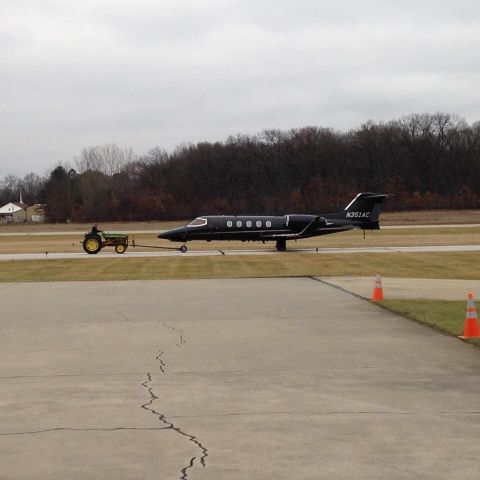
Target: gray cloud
[159,73]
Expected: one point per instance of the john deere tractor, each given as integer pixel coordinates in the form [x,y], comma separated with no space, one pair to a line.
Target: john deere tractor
[95,240]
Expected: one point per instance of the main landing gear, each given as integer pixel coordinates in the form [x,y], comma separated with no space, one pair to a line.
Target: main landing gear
[183,248]
[281,245]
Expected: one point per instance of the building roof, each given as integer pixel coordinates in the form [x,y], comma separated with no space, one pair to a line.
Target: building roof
[11,207]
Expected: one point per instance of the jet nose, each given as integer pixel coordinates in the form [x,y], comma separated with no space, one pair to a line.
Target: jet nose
[175,234]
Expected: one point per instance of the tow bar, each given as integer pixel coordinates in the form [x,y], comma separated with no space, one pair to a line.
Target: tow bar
[182,249]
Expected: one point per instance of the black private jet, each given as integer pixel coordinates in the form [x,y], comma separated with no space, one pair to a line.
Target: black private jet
[362,213]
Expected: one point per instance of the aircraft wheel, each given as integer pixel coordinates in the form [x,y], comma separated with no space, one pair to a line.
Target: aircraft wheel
[281,245]
[92,244]
[120,248]
[183,248]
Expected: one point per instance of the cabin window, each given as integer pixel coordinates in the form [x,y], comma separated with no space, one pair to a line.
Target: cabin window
[258,224]
[249,223]
[198,222]
[268,223]
[239,223]
[229,223]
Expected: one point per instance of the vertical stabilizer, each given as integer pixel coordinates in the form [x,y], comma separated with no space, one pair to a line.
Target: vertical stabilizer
[364,209]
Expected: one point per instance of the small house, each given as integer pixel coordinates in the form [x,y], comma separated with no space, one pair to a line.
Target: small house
[14,212]
[36,213]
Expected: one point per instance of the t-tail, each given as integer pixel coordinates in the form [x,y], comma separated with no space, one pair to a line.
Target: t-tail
[363,211]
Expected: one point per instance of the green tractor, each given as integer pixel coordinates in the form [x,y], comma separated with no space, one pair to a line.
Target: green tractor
[95,240]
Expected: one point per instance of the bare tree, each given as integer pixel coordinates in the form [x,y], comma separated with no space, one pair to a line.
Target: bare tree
[9,189]
[108,159]
[31,186]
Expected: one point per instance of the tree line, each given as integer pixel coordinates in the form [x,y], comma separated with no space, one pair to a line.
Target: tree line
[428,161]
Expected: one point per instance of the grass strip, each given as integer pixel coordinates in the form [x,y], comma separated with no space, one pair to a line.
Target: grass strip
[446,316]
[455,265]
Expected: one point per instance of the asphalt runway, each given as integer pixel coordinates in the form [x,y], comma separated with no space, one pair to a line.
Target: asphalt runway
[228,379]
[131,253]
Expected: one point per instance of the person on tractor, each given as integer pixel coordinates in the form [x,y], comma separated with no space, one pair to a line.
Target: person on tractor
[95,230]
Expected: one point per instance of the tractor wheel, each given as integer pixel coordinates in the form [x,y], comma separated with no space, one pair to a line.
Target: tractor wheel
[120,248]
[92,244]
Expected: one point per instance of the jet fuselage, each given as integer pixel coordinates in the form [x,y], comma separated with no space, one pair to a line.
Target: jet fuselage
[253,227]
[362,212]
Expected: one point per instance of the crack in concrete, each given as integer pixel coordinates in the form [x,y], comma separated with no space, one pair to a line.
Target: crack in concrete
[159,358]
[337,287]
[351,412]
[73,375]
[148,406]
[184,475]
[179,332]
[344,290]
[123,316]
[388,368]
[153,397]
[73,429]
[171,426]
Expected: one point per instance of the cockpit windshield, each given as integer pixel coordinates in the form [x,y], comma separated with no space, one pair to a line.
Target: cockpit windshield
[198,222]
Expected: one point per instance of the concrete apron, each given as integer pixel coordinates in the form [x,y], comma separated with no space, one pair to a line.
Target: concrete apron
[228,379]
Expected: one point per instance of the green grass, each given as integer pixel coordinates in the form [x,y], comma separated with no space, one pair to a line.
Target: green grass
[444,315]
[455,265]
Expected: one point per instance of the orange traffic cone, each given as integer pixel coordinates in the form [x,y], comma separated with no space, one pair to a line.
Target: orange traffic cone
[377,295]
[471,329]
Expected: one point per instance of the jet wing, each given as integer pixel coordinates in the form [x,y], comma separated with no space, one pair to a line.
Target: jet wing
[309,228]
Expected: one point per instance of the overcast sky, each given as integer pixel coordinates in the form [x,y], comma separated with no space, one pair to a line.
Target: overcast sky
[149,73]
